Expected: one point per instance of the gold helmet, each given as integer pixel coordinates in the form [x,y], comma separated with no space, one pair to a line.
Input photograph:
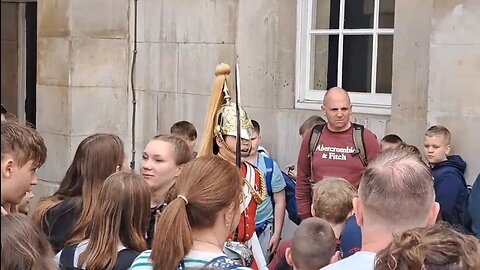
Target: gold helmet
[221,117]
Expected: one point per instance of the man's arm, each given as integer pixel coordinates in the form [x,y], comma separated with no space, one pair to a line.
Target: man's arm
[278,189]
[279,198]
[303,190]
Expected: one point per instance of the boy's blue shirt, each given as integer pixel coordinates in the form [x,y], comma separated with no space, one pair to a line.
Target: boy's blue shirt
[450,188]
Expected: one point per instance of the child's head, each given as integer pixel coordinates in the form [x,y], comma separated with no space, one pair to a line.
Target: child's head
[185,131]
[412,149]
[23,152]
[313,245]
[390,141]
[436,144]
[256,137]
[310,123]
[332,199]
[434,247]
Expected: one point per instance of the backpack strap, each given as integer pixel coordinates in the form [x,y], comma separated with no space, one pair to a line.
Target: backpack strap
[125,258]
[314,139]
[359,144]
[67,258]
[268,176]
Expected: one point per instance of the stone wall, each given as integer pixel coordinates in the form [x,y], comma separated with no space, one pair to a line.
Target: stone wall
[81,77]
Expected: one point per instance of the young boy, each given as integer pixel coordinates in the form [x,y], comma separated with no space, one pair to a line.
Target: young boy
[313,245]
[390,141]
[23,152]
[187,132]
[271,213]
[447,171]
[332,201]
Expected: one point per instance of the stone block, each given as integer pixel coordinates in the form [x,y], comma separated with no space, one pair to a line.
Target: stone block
[53,56]
[411,74]
[9,21]
[197,62]
[100,19]
[99,109]
[53,109]
[54,18]
[286,54]
[454,73]
[58,157]
[456,22]
[99,62]
[176,107]
[257,48]
[199,21]
[157,66]
[146,120]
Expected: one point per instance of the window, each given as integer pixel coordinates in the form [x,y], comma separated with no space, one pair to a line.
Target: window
[346,43]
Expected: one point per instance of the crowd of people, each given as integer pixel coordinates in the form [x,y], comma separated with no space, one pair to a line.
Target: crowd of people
[360,203]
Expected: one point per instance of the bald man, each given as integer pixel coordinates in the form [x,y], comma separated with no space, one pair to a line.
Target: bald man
[334,154]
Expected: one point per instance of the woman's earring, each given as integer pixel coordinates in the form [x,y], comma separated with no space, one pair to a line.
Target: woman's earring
[117,169]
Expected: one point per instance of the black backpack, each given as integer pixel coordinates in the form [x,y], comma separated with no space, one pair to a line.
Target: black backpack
[358,131]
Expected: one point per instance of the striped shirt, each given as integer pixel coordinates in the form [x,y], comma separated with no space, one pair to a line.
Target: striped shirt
[194,259]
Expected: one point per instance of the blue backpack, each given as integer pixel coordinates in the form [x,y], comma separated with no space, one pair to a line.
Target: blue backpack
[291,201]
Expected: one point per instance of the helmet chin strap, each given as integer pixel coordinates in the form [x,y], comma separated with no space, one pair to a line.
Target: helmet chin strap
[228,147]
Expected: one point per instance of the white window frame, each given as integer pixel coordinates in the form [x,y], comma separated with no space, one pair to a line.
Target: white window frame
[306,98]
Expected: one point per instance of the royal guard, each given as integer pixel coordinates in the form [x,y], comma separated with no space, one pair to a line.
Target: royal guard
[220,138]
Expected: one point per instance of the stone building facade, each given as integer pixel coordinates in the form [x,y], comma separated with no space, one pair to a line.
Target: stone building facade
[84,61]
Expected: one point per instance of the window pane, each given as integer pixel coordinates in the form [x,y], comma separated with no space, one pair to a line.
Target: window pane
[387,12]
[358,14]
[327,14]
[384,64]
[357,63]
[325,59]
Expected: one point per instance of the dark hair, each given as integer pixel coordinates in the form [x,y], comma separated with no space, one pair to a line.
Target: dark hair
[96,158]
[313,244]
[184,128]
[206,186]
[256,126]
[393,139]
[310,123]
[436,247]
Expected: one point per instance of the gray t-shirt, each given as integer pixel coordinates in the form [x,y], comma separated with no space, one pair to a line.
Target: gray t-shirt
[362,260]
